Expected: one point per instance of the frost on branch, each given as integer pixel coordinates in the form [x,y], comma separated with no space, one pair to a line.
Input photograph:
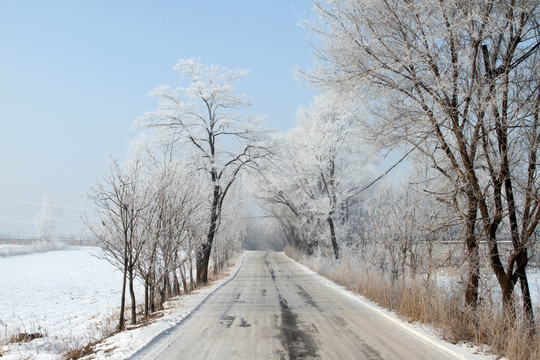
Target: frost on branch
[205,116]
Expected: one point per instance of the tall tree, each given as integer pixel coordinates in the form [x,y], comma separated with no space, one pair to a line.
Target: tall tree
[331,162]
[443,76]
[319,173]
[224,142]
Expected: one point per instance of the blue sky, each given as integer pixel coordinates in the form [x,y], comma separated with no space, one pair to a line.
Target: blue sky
[75,74]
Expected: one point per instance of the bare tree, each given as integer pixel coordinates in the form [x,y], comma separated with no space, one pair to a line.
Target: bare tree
[224,143]
[446,78]
[120,199]
[175,204]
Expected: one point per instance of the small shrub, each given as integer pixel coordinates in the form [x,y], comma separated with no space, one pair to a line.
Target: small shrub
[24,337]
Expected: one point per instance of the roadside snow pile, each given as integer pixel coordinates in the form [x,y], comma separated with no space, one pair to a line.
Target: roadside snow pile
[35,247]
[59,299]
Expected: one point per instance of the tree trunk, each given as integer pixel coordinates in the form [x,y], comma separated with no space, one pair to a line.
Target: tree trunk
[121,321]
[132,294]
[153,291]
[166,283]
[146,294]
[183,277]
[507,288]
[526,296]
[522,259]
[473,256]
[216,261]
[166,287]
[203,259]
[333,236]
[192,281]
[473,259]
[161,297]
[203,256]
[176,284]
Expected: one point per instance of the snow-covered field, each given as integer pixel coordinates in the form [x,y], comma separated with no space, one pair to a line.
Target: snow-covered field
[489,287]
[69,296]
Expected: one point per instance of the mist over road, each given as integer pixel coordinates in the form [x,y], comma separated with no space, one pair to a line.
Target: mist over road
[275,309]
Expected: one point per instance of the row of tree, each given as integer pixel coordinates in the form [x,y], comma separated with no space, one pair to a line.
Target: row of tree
[158,212]
[454,82]
[318,171]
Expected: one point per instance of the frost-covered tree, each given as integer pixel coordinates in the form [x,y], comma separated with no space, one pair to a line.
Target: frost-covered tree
[320,173]
[120,198]
[175,207]
[203,116]
[457,81]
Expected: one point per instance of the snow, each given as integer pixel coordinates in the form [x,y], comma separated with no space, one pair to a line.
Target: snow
[69,296]
[489,287]
[127,344]
[533,277]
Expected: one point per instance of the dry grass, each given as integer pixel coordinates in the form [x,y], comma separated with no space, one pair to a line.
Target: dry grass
[418,300]
[80,352]
[24,337]
[21,333]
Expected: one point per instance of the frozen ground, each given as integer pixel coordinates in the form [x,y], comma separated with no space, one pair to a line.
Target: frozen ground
[69,296]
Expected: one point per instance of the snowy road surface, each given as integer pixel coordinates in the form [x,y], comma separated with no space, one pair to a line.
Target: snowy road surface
[275,309]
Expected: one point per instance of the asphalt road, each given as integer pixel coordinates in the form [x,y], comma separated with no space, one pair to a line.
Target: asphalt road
[274,309]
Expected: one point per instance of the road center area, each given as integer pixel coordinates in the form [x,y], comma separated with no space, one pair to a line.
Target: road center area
[274,309]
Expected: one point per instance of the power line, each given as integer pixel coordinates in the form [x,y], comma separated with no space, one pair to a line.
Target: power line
[383,174]
[40,204]
[55,219]
[32,223]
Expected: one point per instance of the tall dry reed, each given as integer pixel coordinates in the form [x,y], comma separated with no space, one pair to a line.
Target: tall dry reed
[419,300]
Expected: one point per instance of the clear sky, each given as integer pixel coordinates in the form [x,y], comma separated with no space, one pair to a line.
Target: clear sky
[75,74]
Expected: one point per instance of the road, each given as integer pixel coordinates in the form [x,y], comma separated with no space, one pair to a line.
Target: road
[275,309]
